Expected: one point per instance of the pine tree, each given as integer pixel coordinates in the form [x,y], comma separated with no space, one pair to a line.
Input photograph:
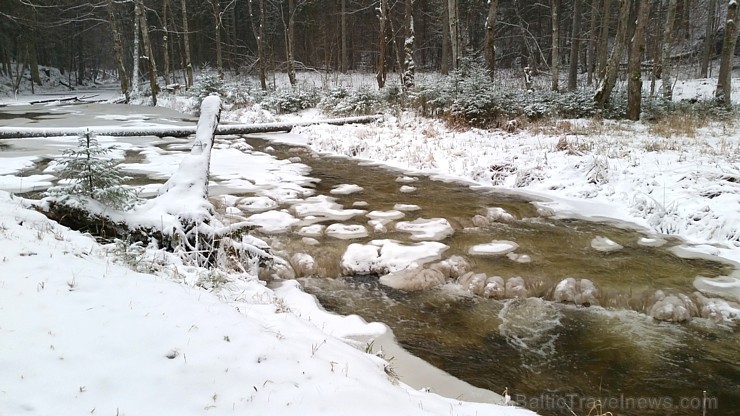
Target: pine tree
[90,173]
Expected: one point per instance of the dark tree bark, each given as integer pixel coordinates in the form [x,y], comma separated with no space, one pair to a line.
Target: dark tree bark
[634,85]
[259,34]
[708,47]
[217,17]
[445,58]
[151,64]
[575,46]
[603,52]
[490,49]
[165,42]
[345,48]
[612,67]
[118,49]
[592,42]
[186,44]
[555,66]
[380,75]
[724,82]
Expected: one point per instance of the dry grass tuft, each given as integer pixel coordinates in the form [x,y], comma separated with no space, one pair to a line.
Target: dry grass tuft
[678,124]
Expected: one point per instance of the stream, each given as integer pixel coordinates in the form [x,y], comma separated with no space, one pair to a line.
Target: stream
[552,356]
[555,356]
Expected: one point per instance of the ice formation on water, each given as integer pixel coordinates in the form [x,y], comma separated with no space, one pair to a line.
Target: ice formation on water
[605,245]
[494,248]
[577,291]
[423,229]
[346,231]
[346,189]
[386,256]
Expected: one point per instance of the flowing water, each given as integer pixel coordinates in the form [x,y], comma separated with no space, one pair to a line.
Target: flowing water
[552,357]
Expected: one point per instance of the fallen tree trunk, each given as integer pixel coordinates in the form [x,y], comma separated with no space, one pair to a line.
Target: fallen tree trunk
[63,100]
[180,218]
[174,131]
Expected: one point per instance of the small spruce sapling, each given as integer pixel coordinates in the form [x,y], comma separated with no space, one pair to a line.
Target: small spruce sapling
[89,172]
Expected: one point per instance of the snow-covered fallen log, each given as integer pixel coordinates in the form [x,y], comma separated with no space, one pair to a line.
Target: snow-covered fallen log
[179,219]
[174,131]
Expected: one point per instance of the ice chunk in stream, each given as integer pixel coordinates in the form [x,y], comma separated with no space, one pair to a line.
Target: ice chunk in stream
[605,245]
[434,229]
[494,248]
[346,189]
[386,256]
[346,231]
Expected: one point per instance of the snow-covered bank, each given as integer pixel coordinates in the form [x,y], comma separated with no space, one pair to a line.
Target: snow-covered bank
[84,334]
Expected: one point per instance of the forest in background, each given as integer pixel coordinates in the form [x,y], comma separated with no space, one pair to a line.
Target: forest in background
[576,43]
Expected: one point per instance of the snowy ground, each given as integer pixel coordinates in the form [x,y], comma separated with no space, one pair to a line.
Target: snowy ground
[84,333]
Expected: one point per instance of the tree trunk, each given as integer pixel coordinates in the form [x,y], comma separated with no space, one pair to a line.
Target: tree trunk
[454,23]
[186,41]
[165,42]
[151,64]
[592,42]
[445,58]
[345,48]
[380,76]
[290,40]
[259,35]
[603,52]
[137,51]
[216,9]
[666,53]
[575,46]
[634,86]
[555,66]
[490,48]
[33,61]
[708,47]
[724,82]
[409,66]
[118,49]
[612,67]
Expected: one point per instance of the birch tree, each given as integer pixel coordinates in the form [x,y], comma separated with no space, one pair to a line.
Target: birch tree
[382,13]
[454,23]
[409,66]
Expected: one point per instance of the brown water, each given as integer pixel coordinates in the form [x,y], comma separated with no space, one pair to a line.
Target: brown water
[551,356]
